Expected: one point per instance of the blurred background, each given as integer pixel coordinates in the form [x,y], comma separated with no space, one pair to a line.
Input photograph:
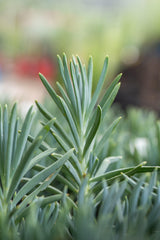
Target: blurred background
[32,33]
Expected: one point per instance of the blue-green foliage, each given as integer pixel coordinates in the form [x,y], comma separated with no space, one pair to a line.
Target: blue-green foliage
[81,176]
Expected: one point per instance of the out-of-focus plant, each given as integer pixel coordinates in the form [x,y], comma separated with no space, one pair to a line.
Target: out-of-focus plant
[120,213]
[136,138]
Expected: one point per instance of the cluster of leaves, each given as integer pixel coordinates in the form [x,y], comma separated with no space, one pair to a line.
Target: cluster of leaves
[136,138]
[60,184]
[127,211]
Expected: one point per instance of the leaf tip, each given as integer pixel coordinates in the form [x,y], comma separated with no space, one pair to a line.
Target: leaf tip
[107,58]
[99,107]
[40,74]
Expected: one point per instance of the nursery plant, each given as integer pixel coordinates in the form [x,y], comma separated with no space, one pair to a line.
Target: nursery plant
[86,131]
[56,182]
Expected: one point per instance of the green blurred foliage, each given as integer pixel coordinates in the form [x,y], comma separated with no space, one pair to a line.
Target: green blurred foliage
[77,28]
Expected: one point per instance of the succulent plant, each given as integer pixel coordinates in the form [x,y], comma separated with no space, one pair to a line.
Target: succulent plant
[60,184]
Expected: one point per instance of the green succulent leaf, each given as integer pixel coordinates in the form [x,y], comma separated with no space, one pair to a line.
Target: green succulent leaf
[93,130]
[106,135]
[90,78]
[69,86]
[70,121]
[51,91]
[25,160]
[51,170]
[77,95]
[117,173]
[12,123]
[98,88]
[64,96]
[109,90]
[21,141]
[44,111]
[110,100]
[5,136]
[84,85]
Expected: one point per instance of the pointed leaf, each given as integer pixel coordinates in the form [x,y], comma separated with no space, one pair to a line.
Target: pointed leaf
[51,91]
[93,130]
[41,176]
[105,164]
[64,95]
[74,160]
[57,126]
[110,100]
[22,139]
[31,185]
[1,143]
[77,94]
[44,111]
[21,167]
[116,173]
[38,157]
[106,135]
[70,122]
[90,78]
[72,186]
[10,145]
[84,86]
[5,136]
[20,170]
[98,88]
[109,90]
[69,88]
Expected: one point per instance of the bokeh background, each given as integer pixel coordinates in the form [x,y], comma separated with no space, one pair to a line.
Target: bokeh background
[32,33]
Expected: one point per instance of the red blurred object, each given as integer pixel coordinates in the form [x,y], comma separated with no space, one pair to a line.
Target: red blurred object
[45,66]
[31,66]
